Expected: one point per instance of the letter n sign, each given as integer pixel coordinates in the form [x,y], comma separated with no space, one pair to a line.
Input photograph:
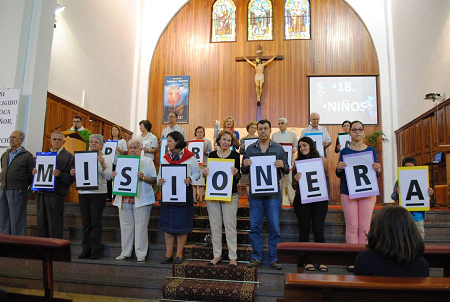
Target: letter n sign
[263,175]
[361,177]
[45,165]
[219,183]
[413,184]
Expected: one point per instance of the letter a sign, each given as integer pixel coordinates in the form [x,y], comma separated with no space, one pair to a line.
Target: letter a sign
[361,177]
[174,189]
[44,179]
[219,182]
[263,175]
[413,184]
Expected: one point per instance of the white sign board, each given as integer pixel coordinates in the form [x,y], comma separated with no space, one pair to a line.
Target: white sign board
[344,140]
[163,151]
[263,175]
[318,139]
[197,147]
[249,141]
[413,184]
[86,170]
[44,179]
[288,149]
[126,180]
[110,149]
[312,183]
[361,177]
[174,188]
[9,102]
[219,183]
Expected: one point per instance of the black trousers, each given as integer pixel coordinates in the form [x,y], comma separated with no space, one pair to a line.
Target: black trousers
[91,208]
[50,211]
[109,187]
[315,212]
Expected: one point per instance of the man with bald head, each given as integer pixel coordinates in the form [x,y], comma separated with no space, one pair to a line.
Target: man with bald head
[315,128]
[15,177]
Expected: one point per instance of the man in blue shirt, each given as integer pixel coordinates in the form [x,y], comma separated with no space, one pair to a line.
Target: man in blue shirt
[268,204]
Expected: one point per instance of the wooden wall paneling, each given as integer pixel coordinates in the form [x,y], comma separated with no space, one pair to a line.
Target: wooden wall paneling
[107,130]
[412,141]
[406,144]
[433,133]
[47,145]
[95,127]
[447,122]
[65,117]
[86,121]
[418,139]
[441,135]
[52,117]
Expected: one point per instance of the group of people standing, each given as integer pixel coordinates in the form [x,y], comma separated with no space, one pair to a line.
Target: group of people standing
[177,221]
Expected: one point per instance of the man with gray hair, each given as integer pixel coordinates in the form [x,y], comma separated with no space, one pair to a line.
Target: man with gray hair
[315,128]
[50,204]
[15,177]
[286,136]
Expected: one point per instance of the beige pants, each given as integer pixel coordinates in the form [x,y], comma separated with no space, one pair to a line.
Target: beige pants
[421,228]
[133,229]
[288,194]
[227,211]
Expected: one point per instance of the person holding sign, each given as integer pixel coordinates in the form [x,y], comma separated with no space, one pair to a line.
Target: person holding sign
[15,177]
[92,202]
[418,216]
[251,129]
[228,124]
[199,185]
[116,135]
[270,205]
[149,140]
[177,221]
[134,212]
[312,211]
[224,210]
[316,128]
[358,211]
[395,247]
[345,129]
[50,204]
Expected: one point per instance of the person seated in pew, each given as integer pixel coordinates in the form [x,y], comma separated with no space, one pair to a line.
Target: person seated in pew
[418,216]
[314,212]
[395,246]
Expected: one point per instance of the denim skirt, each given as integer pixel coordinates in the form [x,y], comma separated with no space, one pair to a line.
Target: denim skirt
[178,219]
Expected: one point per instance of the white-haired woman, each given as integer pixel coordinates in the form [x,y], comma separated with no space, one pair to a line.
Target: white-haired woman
[134,212]
[92,202]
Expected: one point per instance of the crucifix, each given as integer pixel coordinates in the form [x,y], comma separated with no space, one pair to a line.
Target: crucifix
[259,75]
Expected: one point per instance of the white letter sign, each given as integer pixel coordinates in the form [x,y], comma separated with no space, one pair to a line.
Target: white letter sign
[219,182]
[288,149]
[197,147]
[318,139]
[249,141]
[312,183]
[163,151]
[126,181]
[86,167]
[361,177]
[344,140]
[44,179]
[413,184]
[9,102]
[110,149]
[174,189]
[263,175]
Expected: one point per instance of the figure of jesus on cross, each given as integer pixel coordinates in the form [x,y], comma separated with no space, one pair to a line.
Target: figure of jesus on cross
[259,75]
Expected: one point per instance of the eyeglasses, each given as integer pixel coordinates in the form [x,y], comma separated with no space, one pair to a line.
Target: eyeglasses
[354,130]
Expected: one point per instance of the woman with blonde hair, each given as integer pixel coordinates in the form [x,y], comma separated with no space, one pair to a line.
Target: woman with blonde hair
[228,124]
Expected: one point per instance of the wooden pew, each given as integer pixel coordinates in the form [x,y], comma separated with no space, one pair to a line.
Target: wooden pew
[345,288]
[301,253]
[45,249]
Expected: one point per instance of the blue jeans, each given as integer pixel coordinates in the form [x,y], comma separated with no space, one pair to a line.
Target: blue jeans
[271,207]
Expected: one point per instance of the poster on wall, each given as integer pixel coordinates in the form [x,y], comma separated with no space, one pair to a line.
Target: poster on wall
[9,101]
[176,98]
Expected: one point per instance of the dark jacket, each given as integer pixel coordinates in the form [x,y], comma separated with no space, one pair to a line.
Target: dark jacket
[64,163]
[18,175]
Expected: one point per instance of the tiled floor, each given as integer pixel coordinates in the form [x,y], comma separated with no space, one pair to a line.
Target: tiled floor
[74,297]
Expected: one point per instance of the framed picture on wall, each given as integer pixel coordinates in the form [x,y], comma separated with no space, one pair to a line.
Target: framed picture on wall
[176,98]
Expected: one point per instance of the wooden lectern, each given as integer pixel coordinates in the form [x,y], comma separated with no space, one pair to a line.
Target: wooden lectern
[74,142]
[442,193]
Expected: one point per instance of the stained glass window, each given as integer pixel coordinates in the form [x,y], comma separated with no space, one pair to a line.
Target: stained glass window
[260,25]
[223,21]
[297,16]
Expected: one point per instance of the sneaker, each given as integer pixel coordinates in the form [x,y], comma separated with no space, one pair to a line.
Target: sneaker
[140,259]
[121,257]
[275,265]
[254,263]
